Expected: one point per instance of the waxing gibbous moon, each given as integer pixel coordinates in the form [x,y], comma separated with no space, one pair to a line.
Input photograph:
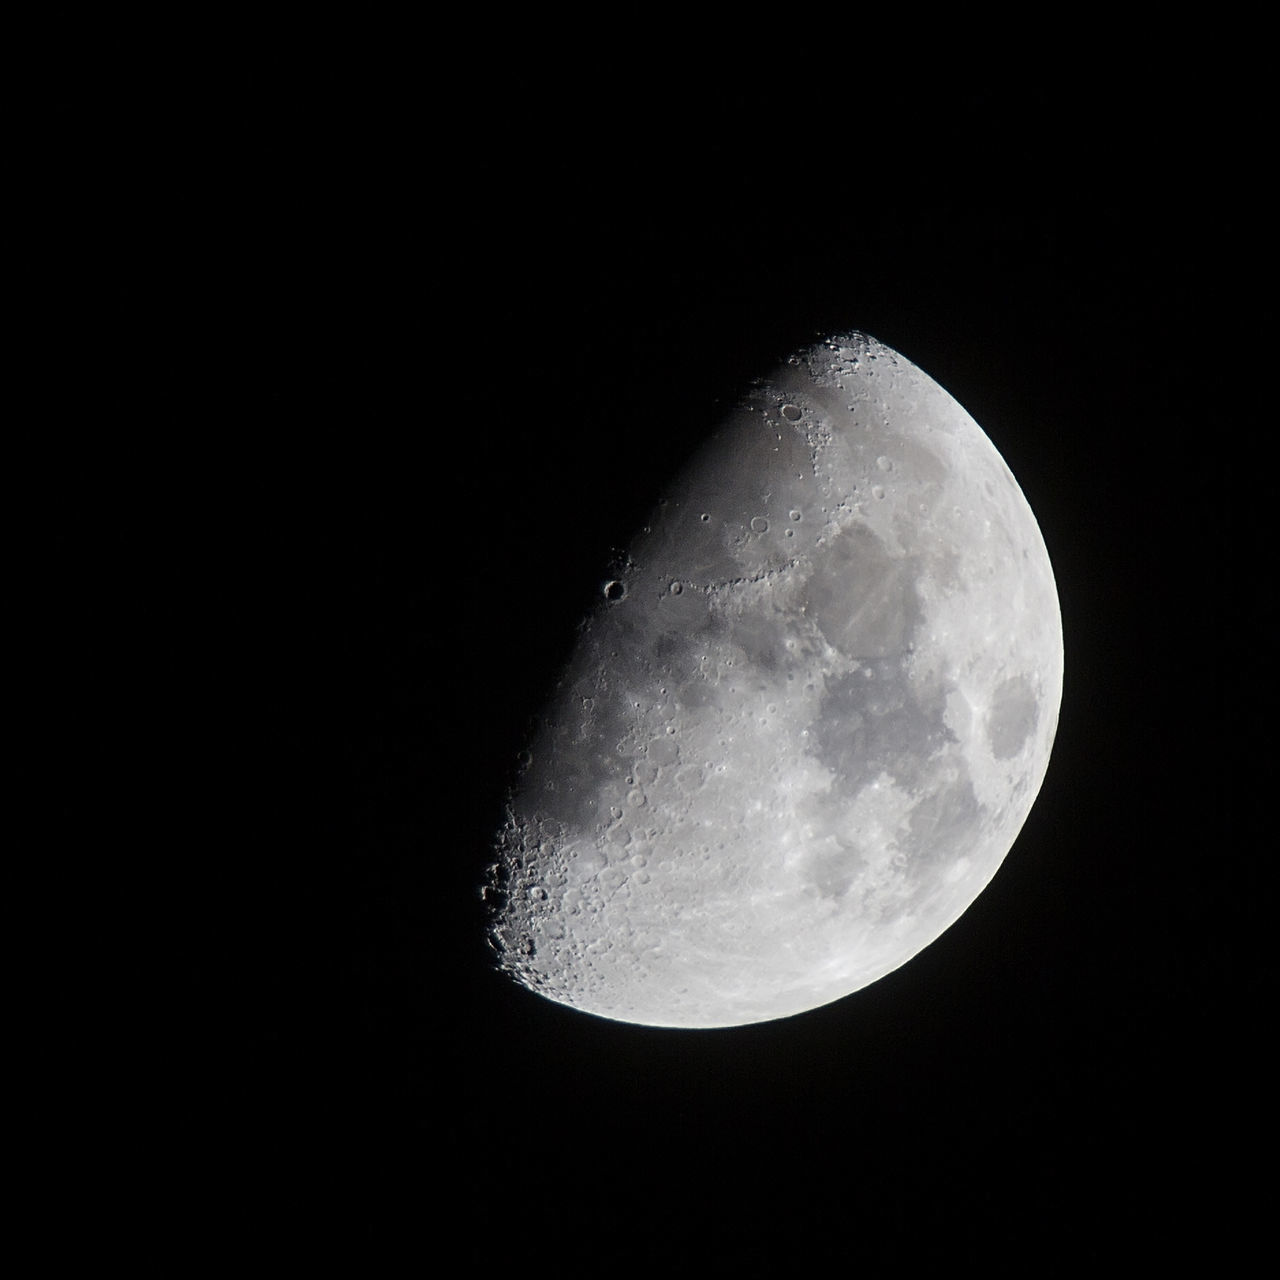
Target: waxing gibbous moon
[807,720]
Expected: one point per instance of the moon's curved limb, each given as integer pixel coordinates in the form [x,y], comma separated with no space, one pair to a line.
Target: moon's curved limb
[806,724]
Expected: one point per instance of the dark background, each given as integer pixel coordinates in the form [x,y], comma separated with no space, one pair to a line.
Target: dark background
[426,366]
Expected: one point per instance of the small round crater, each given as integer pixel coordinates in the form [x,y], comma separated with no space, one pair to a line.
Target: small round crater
[877,492]
[885,464]
[791,412]
[676,588]
[704,517]
[759,524]
[795,513]
[614,591]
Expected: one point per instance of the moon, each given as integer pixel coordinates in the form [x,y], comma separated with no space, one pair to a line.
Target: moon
[804,724]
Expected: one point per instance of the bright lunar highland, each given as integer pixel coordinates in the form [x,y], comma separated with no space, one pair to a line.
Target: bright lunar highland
[807,720]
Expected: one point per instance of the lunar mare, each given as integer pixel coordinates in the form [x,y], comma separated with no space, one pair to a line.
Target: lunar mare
[807,720]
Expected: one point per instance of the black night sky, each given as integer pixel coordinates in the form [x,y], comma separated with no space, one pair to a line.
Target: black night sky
[440,363]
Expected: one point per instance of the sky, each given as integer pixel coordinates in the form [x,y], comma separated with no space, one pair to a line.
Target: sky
[449,391]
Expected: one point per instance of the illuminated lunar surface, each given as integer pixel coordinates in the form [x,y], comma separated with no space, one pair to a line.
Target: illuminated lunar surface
[807,720]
